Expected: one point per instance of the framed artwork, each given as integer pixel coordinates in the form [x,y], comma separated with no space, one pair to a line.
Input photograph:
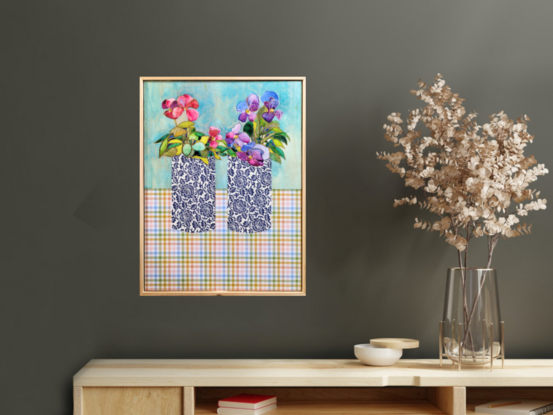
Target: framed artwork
[222,186]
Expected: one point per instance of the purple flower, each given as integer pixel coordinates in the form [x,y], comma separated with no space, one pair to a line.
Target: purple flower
[233,134]
[236,138]
[271,102]
[242,139]
[254,154]
[248,108]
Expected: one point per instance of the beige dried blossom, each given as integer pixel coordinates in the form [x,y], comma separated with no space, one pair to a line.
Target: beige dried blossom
[475,178]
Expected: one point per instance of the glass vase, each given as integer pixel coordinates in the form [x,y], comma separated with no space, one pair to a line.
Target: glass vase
[471,330]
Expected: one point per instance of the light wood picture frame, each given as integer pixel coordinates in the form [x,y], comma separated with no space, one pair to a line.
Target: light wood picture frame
[222,186]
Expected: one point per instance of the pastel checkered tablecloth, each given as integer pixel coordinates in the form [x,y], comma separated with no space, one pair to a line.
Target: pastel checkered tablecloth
[221,259]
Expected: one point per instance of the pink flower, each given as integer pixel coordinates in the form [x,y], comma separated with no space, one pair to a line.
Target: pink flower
[189,103]
[176,107]
[174,110]
[214,136]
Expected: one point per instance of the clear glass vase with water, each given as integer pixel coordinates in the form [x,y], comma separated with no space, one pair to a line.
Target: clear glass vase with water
[472,329]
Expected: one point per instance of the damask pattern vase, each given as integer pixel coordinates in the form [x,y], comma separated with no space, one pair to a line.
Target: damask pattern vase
[192,194]
[249,196]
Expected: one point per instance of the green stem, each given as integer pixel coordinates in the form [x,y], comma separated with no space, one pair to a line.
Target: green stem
[258,129]
[267,137]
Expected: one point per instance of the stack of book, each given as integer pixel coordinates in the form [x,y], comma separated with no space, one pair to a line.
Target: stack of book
[246,404]
[516,407]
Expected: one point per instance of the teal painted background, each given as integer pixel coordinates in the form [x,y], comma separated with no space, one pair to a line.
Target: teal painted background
[218,108]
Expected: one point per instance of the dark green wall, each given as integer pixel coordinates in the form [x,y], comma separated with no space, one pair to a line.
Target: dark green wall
[69,163]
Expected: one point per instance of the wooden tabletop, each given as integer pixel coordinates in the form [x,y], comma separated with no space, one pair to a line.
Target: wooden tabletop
[305,373]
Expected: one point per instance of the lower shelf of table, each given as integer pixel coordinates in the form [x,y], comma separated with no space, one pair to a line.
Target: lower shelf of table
[328,400]
[333,408]
[470,409]
[187,400]
[369,401]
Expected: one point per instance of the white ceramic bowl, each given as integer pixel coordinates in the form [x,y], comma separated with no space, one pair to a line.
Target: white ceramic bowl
[376,356]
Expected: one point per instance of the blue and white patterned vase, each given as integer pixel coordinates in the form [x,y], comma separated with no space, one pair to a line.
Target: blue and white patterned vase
[192,194]
[249,196]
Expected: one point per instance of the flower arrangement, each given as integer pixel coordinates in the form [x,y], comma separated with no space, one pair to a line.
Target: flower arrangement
[260,137]
[183,138]
[475,178]
[255,139]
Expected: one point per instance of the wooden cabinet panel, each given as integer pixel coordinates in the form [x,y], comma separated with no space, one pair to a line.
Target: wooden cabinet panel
[132,401]
[171,387]
[452,401]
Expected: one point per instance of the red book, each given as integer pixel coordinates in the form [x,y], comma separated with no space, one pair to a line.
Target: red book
[247,401]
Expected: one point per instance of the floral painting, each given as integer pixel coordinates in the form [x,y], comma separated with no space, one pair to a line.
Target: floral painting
[223,186]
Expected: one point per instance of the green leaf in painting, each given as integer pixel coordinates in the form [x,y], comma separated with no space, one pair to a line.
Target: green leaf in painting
[173,145]
[199,146]
[248,128]
[196,135]
[162,138]
[278,151]
[170,152]
[204,153]
[278,143]
[281,137]
[186,149]
[178,131]
[163,147]
[231,152]
[276,157]
[186,124]
[271,125]
[277,130]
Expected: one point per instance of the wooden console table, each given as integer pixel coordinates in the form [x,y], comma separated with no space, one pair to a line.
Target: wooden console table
[187,387]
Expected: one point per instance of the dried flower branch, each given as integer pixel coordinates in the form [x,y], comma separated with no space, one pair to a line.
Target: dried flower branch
[475,178]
